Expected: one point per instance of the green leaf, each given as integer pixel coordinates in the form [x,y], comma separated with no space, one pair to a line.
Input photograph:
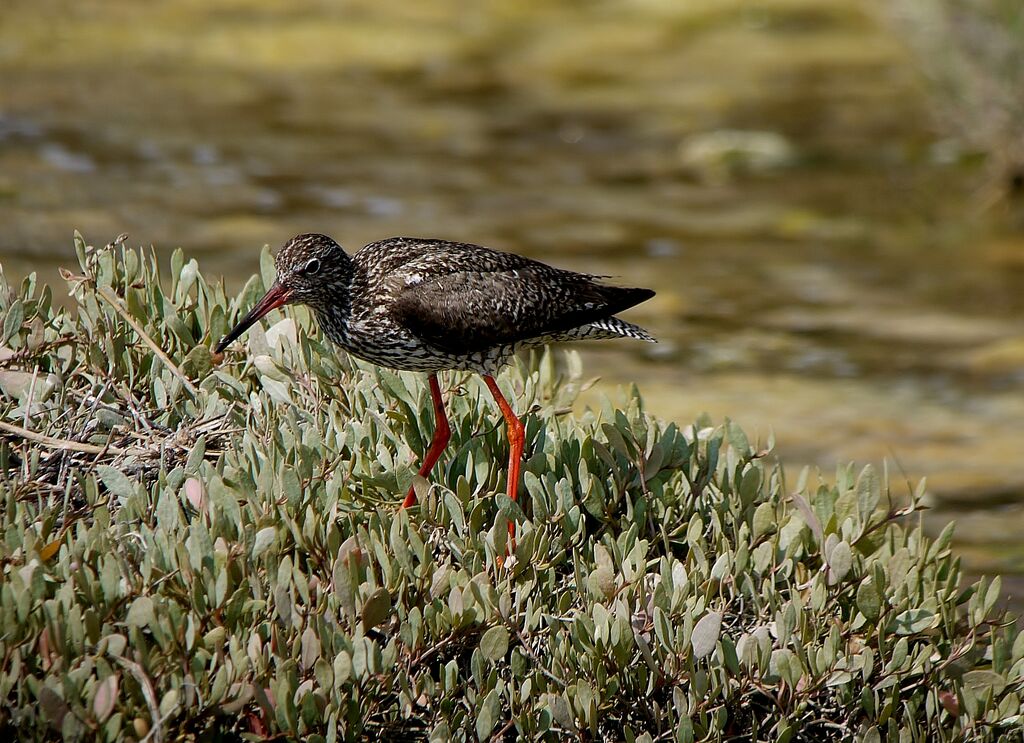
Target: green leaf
[494,643]
[487,715]
[705,634]
[12,320]
[168,510]
[140,614]
[267,270]
[264,538]
[786,666]
[992,595]
[585,701]
[985,682]
[868,600]
[310,648]
[601,583]
[840,560]
[737,439]
[177,262]
[764,520]
[912,621]
[454,509]
[169,703]
[115,481]
[198,362]
[616,440]
[376,609]
[1017,651]
[869,492]
[809,517]
[342,668]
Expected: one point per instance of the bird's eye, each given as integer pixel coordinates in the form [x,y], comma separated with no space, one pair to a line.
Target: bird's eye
[312,267]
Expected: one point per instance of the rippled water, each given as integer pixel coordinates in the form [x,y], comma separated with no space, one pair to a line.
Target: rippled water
[770,168]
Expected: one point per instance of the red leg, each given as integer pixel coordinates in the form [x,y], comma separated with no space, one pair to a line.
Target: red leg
[516,439]
[442,433]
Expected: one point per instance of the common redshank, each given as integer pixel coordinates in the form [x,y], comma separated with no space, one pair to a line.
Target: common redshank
[432,305]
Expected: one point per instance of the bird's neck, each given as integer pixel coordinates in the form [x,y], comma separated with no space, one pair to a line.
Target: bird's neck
[334,309]
[334,322]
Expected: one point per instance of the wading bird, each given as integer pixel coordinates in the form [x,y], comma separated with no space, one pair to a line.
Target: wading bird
[432,305]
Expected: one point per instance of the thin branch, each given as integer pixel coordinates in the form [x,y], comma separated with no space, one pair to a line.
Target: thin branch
[114,302]
[149,694]
[55,443]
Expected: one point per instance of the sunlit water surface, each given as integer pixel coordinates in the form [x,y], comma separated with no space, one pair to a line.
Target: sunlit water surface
[770,168]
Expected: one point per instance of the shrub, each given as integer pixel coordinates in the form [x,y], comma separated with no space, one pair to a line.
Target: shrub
[201,551]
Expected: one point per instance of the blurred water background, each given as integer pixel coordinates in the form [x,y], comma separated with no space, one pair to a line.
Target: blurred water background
[824,193]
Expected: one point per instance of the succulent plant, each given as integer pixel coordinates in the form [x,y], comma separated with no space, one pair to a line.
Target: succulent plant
[199,548]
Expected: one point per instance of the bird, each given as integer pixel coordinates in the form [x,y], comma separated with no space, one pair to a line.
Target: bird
[430,305]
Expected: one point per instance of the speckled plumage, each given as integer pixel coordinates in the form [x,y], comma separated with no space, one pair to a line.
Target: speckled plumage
[431,305]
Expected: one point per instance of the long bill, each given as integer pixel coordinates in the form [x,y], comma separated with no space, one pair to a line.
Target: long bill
[275,297]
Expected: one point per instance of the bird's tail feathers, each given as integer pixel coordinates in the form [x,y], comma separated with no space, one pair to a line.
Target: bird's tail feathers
[617,327]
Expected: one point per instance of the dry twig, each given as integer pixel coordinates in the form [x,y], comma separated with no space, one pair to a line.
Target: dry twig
[114,302]
[55,443]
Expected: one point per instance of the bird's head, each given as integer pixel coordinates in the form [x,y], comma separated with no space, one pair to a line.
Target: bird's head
[311,269]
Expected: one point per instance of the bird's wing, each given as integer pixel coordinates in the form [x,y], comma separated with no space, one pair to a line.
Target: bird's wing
[465,301]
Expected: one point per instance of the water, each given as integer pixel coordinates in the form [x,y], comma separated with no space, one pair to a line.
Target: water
[770,168]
